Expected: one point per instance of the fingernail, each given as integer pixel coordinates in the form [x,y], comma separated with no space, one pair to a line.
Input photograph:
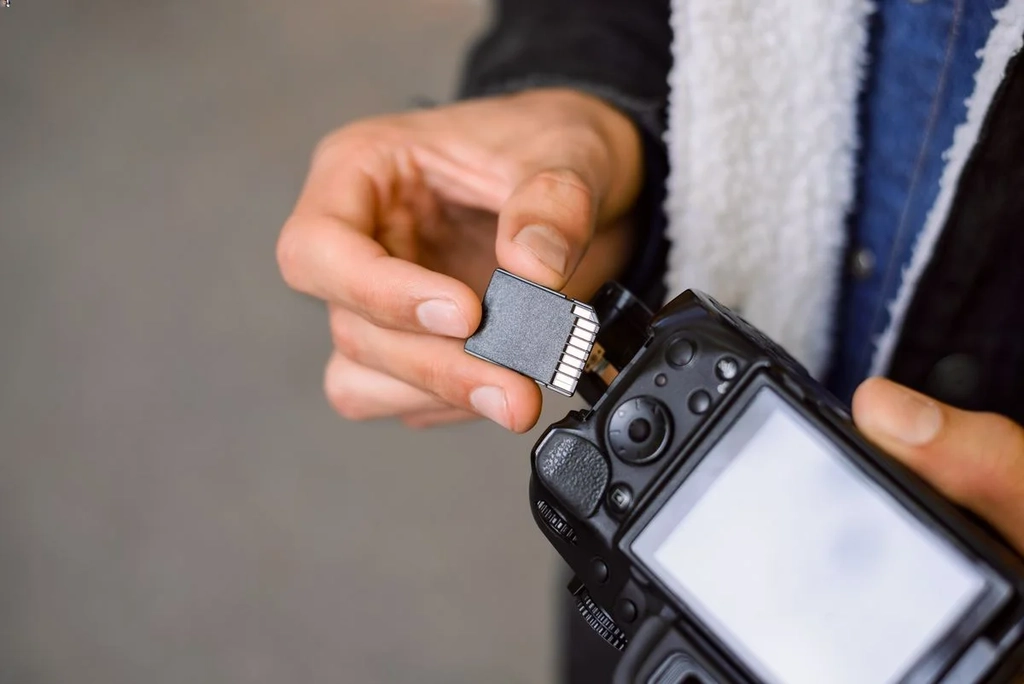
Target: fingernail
[547,245]
[909,418]
[442,317]
[491,402]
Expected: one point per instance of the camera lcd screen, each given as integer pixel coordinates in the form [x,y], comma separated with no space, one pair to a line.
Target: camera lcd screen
[807,569]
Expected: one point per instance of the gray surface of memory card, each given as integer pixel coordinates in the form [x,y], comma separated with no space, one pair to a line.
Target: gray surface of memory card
[535,331]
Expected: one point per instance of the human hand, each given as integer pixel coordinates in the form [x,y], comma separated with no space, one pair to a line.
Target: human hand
[403,219]
[975,459]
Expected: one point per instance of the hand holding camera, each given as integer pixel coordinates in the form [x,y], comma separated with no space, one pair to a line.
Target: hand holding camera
[727,523]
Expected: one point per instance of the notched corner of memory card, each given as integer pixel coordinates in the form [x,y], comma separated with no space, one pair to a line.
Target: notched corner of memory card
[535,331]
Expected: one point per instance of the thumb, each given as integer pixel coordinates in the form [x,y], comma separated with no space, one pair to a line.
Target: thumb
[545,226]
[975,459]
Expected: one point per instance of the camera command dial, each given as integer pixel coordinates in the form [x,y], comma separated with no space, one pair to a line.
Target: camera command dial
[639,430]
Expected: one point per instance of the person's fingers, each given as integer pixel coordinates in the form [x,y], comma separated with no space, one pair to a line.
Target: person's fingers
[545,226]
[332,261]
[428,419]
[584,170]
[360,393]
[441,367]
[359,188]
[976,459]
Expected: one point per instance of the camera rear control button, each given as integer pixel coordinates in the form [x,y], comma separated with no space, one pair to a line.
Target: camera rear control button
[699,402]
[727,368]
[680,352]
[625,611]
[620,498]
[639,430]
[599,571]
[955,379]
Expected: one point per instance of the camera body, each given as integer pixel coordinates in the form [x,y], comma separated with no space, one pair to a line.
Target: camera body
[726,522]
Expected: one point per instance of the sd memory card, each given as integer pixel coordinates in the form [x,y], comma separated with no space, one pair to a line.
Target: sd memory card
[535,331]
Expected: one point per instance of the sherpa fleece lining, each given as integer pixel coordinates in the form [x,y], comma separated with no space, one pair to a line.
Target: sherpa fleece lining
[762,149]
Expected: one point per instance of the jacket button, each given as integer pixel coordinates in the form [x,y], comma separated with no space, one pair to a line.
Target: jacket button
[954,379]
[862,263]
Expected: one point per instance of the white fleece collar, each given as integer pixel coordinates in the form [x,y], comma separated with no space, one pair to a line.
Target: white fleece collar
[762,143]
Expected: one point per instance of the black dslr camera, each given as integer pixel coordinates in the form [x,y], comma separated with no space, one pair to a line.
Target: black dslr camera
[727,523]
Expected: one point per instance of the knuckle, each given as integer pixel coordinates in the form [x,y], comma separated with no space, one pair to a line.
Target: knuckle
[351,142]
[377,301]
[589,139]
[343,395]
[567,188]
[345,338]
[969,485]
[565,180]
[998,466]
[435,376]
[323,148]
[367,297]
[289,254]
[346,404]
[332,146]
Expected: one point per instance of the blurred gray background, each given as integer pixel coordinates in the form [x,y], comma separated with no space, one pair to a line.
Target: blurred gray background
[177,501]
